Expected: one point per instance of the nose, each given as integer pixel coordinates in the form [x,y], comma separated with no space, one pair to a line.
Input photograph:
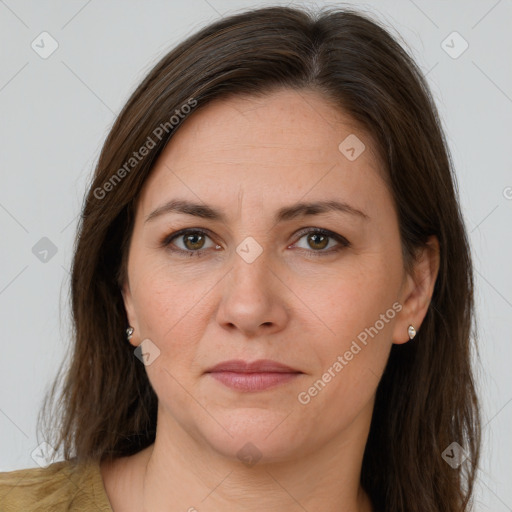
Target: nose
[253,298]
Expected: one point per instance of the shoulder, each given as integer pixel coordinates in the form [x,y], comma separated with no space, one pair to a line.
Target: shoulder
[63,485]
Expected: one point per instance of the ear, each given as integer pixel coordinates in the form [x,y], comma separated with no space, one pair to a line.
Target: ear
[130,312]
[417,289]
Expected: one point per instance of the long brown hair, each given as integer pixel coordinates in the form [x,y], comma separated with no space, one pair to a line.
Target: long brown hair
[426,398]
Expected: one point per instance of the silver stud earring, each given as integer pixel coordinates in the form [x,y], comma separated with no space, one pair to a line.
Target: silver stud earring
[129,332]
[411,331]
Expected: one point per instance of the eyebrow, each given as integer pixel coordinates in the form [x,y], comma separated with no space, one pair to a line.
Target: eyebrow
[285,213]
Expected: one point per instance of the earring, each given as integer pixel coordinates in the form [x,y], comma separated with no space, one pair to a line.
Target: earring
[129,332]
[411,331]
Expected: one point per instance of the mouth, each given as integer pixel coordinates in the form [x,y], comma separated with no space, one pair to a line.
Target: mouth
[256,376]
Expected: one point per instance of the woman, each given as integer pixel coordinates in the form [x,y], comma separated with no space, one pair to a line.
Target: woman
[272,288]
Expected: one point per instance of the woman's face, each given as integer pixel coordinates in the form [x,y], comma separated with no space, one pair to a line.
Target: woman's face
[254,282]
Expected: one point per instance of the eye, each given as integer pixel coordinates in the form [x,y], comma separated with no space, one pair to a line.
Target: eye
[318,239]
[192,242]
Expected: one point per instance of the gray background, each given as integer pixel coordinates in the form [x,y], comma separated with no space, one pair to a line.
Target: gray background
[57,111]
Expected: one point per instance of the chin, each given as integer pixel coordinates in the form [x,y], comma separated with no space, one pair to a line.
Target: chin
[257,436]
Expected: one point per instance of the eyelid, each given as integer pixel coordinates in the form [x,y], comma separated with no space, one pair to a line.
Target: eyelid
[342,241]
[322,231]
[167,239]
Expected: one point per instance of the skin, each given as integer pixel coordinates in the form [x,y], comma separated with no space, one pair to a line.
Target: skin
[249,157]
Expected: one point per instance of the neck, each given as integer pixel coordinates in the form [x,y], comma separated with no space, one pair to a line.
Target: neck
[180,473]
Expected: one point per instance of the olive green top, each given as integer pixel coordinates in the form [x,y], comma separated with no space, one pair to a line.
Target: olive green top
[61,486]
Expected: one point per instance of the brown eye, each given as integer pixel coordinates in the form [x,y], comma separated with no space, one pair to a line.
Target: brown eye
[189,242]
[193,241]
[317,240]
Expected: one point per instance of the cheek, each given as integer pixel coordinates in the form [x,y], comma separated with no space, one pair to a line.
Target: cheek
[359,311]
[164,293]
[350,361]
[356,297]
[170,310]
[172,316]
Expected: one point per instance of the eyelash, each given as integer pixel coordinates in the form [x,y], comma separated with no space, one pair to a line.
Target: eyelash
[166,242]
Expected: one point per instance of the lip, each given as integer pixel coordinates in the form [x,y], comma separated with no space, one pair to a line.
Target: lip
[252,376]
[259,366]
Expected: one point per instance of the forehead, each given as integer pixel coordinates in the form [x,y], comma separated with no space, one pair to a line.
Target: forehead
[283,143]
[283,120]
